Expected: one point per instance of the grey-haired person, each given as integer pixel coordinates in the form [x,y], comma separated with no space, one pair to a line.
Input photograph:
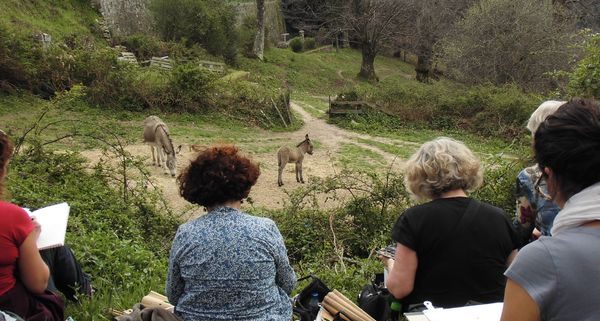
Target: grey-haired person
[565,285]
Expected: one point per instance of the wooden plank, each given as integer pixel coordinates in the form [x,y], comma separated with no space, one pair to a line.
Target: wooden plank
[161,62]
[212,65]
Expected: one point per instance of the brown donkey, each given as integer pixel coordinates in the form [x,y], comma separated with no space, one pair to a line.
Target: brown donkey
[287,155]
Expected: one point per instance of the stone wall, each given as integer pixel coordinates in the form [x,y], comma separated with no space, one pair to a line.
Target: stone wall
[126,17]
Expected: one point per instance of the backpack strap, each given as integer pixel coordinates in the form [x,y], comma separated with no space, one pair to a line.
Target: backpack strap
[469,215]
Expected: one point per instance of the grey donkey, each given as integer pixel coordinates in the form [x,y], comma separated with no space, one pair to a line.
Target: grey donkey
[156,134]
[287,155]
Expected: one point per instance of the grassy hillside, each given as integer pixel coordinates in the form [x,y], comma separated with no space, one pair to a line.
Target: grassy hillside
[59,18]
[321,72]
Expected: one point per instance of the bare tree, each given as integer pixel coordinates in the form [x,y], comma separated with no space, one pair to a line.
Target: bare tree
[430,21]
[586,11]
[259,39]
[506,41]
[373,24]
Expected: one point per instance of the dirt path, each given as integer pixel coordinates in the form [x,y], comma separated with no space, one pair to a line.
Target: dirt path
[266,193]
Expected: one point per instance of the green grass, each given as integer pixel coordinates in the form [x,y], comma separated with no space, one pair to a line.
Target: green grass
[58,18]
[403,151]
[319,73]
[353,156]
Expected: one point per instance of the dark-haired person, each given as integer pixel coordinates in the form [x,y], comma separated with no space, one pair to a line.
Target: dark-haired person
[452,249]
[566,282]
[227,265]
[29,278]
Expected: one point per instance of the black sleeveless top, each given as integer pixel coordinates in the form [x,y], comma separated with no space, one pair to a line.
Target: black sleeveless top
[457,262]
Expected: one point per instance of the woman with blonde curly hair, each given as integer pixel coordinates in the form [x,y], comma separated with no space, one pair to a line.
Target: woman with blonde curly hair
[452,249]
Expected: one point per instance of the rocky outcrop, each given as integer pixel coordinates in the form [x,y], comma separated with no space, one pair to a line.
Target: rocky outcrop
[126,17]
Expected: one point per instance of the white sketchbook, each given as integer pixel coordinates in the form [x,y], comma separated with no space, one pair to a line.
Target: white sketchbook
[53,220]
[481,312]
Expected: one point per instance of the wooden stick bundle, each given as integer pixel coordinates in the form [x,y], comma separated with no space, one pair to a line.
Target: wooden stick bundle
[335,302]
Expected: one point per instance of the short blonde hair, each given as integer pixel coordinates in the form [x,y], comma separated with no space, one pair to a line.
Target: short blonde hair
[544,110]
[442,165]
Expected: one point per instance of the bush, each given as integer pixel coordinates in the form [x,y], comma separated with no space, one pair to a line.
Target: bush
[485,110]
[209,23]
[247,32]
[253,103]
[191,86]
[309,43]
[144,46]
[25,64]
[296,44]
[121,237]
[585,78]
[542,43]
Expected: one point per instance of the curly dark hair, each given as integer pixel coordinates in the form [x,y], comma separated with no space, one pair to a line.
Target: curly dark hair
[219,174]
[568,142]
[6,151]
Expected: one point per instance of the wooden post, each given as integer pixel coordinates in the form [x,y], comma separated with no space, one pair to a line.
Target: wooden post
[279,112]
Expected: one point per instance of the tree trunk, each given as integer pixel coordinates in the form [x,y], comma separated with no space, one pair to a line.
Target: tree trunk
[367,68]
[423,68]
[259,39]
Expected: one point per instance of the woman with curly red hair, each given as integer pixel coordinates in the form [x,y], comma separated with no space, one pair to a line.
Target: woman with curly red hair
[227,264]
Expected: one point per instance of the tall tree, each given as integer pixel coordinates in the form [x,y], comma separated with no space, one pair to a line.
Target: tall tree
[259,39]
[310,15]
[430,21]
[374,24]
[511,41]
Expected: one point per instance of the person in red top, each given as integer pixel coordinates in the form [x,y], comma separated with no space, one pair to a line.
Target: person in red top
[29,277]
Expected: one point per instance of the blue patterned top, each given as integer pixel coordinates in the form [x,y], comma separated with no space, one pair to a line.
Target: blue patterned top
[228,265]
[533,204]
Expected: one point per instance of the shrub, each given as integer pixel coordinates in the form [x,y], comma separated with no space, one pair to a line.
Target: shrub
[121,237]
[585,78]
[309,43]
[296,44]
[542,43]
[254,103]
[144,46]
[247,32]
[209,23]
[25,64]
[444,105]
[191,86]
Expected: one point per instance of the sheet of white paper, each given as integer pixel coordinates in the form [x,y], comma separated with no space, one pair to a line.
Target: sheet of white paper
[53,220]
[481,312]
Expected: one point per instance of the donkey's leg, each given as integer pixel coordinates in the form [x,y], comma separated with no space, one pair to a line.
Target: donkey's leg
[152,152]
[280,170]
[163,160]
[299,172]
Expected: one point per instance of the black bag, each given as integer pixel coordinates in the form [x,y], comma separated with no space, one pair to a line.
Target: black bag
[301,301]
[374,299]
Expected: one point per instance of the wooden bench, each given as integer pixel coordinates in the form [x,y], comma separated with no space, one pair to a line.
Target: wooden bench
[161,62]
[347,107]
[213,65]
[127,57]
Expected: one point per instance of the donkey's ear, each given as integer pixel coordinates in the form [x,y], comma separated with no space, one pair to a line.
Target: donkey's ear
[178,149]
[306,136]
